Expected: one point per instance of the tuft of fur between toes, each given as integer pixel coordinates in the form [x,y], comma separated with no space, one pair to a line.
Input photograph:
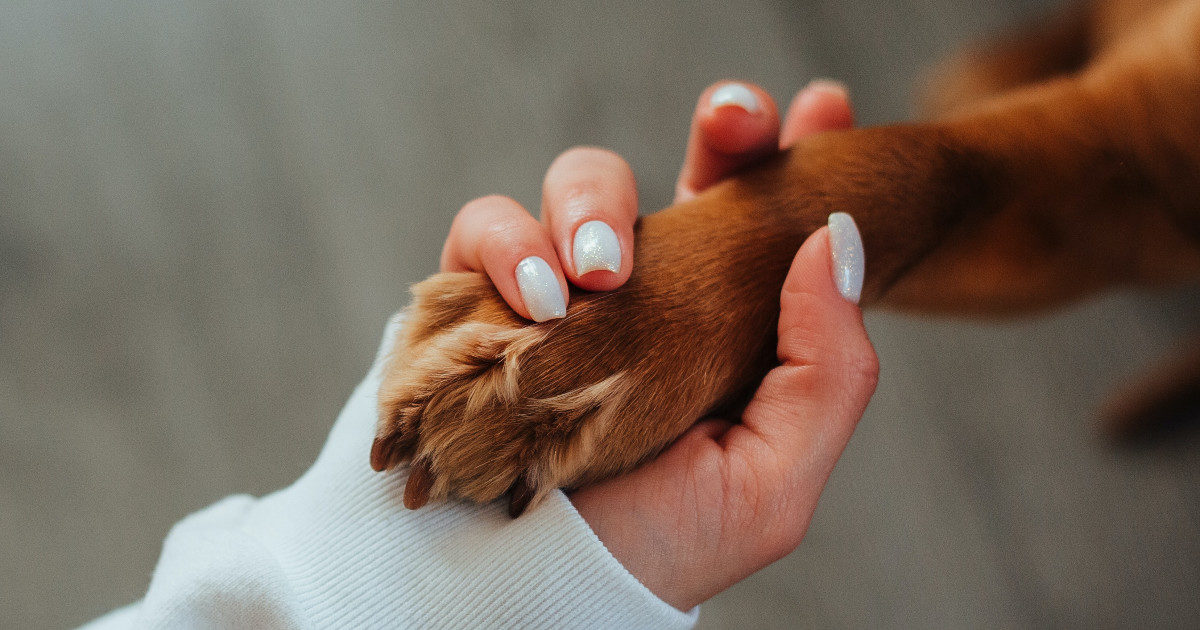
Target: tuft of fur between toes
[459,404]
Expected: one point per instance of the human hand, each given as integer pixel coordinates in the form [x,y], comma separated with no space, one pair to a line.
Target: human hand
[729,499]
[733,125]
[725,500]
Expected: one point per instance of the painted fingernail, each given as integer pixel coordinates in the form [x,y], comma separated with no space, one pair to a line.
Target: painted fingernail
[540,289]
[846,246]
[735,95]
[829,85]
[596,247]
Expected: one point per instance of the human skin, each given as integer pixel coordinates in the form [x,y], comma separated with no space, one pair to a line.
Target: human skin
[1034,186]
[727,498]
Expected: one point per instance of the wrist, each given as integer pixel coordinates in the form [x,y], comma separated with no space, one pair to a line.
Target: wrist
[650,558]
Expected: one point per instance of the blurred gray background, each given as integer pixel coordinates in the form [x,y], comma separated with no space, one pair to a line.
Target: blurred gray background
[208,210]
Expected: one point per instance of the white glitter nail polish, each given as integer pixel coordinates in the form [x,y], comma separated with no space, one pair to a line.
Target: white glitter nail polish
[596,247]
[735,94]
[845,244]
[540,289]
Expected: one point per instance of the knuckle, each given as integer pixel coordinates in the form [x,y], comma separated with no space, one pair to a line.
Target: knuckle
[582,193]
[584,198]
[587,152]
[485,205]
[505,233]
[790,382]
[610,157]
[492,224]
[590,181]
[862,367]
[569,160]
[468,212]
[783,540]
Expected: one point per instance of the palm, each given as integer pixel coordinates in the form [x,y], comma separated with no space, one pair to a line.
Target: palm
[728,499]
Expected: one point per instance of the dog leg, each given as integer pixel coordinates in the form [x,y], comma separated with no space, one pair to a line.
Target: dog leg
[1058,45]
[1024,201]
[1160,402]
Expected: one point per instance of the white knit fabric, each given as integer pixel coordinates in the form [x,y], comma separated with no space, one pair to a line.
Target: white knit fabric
[338,550]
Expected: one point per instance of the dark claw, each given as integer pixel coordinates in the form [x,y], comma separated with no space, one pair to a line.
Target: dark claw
[380,455]
[420,482]
[520,496]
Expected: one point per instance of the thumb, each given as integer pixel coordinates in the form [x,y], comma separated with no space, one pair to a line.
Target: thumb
[808,406]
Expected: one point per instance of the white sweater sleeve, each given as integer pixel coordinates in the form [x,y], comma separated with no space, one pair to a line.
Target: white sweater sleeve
[338,549]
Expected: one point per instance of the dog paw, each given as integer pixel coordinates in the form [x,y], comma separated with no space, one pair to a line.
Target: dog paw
[482,402]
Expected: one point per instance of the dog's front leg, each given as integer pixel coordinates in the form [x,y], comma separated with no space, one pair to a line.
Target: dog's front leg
[1035,198]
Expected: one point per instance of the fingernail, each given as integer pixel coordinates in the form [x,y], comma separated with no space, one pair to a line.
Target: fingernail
[845,244]
[596,247]
[829,85]
[540,289]
[736,95]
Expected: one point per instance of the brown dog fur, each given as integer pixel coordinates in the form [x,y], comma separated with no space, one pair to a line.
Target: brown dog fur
[1055,165]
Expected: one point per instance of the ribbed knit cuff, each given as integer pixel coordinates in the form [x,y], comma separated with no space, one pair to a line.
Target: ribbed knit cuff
[338,549]
[356,557]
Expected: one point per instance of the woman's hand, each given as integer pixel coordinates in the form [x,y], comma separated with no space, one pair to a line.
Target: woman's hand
[729,499]
[584,233]
[726,499]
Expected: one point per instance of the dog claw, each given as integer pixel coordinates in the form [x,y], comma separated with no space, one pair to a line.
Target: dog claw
[380,455]
[520,497]
[420,482]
